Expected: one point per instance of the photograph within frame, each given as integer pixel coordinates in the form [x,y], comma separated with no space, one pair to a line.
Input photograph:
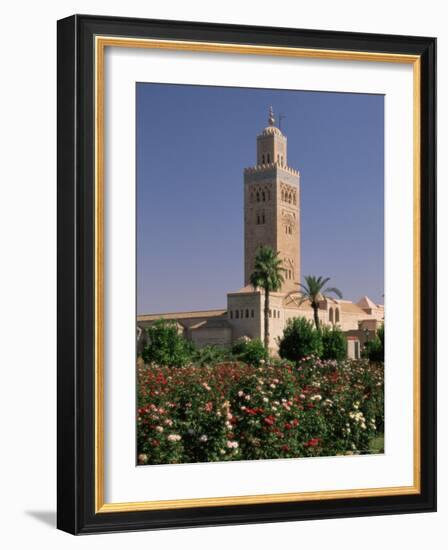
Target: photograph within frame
[316,338]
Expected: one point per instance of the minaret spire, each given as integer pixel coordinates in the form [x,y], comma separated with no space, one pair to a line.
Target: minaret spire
[271,119]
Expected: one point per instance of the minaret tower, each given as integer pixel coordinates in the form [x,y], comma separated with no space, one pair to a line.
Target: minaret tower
[272,205]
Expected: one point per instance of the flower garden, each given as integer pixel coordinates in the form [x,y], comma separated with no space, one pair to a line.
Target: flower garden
[239,411]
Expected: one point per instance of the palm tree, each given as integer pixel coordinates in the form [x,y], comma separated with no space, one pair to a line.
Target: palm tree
[268,275]
[313,290]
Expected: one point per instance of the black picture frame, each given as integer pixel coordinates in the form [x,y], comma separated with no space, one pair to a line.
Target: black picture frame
[76,256]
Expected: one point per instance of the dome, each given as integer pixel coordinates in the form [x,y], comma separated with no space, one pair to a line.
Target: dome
[269,130]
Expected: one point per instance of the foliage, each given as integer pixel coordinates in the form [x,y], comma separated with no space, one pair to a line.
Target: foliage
[334,343]
[313,291]
[374,349]
[166,346]
[300,339]
[268,270]
[236,411]
[268,275]
[250,351]
[211,355]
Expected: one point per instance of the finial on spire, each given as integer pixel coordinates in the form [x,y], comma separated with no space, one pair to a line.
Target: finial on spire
[271,119]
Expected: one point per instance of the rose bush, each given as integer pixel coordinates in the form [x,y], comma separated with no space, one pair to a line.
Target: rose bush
[236,411]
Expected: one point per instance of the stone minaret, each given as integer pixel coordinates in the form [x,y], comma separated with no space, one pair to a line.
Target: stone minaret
[272,205]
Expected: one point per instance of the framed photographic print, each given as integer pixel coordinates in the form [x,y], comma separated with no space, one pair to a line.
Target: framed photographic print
[246,274]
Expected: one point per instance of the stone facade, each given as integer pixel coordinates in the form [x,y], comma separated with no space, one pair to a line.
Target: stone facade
[271,217]
[272,206]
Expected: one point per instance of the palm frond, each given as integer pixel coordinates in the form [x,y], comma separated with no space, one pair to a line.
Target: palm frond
[334,290]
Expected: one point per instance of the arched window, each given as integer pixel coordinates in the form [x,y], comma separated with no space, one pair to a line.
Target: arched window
[278,158]
[258,196]
[270,313]
[247,314]
[263,196]
[283,195]
[269,158]
[258,219]
[231,314]
[242,313]
[331,315]
[282,160]
[237,314]
[337,315]
[263,218]
[252,313]
[262,159]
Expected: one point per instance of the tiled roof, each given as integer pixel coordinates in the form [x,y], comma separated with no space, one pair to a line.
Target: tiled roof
[366,303]
[183,315]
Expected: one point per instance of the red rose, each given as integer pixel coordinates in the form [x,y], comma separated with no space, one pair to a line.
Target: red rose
[312,442]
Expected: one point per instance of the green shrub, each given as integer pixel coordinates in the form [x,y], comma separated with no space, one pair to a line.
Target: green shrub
[300,339]
[251,352]
[334,343]
[211,355]
[166,346]
[374,349]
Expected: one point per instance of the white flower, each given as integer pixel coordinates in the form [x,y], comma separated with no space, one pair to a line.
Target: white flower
[266,399]
[240,393]
[247,397]
[174,437]
[232,444]
[203,438]
[159,429]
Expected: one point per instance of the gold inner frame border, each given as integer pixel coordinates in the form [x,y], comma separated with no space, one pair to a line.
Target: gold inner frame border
[100,44]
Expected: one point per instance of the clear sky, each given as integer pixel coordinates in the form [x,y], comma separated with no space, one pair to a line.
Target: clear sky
[193,143]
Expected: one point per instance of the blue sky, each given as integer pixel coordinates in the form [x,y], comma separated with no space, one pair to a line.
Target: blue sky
[193,143]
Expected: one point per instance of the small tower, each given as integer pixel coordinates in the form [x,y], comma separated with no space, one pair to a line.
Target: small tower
[272,205]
